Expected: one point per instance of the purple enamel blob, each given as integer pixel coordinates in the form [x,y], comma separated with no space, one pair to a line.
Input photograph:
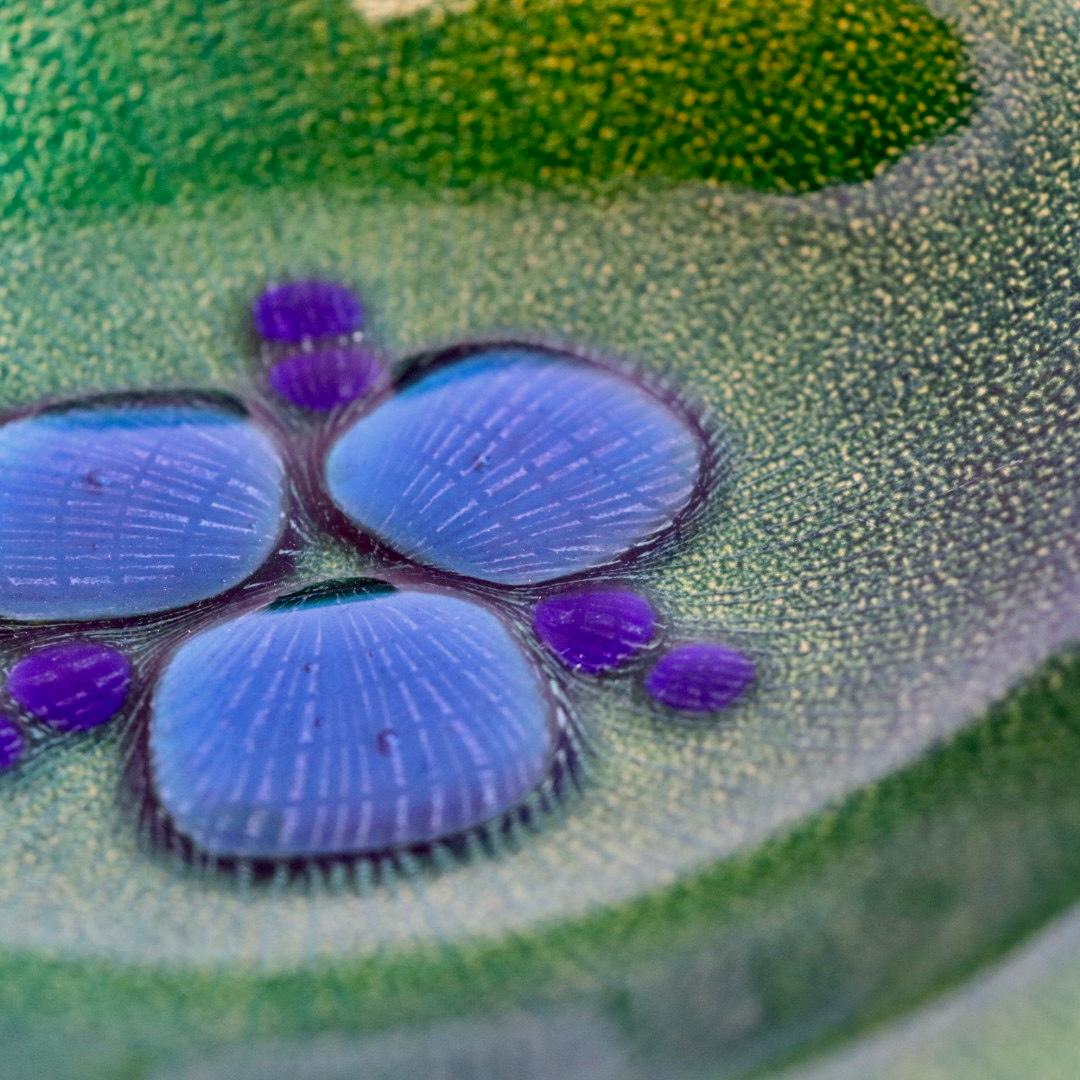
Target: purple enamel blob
[700,677]
[299,310]
[73,686]
[11,744]
[326,378]
[595,630]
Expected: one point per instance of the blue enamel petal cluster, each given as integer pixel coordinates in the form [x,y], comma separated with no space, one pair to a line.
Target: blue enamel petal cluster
[351,715]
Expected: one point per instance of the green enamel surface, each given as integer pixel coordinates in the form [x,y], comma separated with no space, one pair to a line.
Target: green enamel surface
[108,103]
[896,544]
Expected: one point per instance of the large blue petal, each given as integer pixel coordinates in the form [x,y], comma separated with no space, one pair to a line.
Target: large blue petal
[516,465]
[120,508]
[346,723]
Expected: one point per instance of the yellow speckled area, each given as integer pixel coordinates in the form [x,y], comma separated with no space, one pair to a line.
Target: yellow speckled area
[105,103]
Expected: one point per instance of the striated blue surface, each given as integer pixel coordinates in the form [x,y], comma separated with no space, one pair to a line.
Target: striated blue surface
[346,721]
[516,466]
[121,509]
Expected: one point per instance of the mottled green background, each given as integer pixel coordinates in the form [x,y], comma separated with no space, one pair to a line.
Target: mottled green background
[848,232]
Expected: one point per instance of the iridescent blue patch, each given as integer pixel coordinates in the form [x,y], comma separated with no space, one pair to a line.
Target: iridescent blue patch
[351,718]
[516,465]
[121,508]
[323,379]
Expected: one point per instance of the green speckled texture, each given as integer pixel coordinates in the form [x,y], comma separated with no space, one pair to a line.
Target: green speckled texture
[892,360]
[109,103]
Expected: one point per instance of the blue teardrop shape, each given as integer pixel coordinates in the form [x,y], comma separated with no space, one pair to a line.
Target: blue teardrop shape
[516,465]
[123,508]
[346,720]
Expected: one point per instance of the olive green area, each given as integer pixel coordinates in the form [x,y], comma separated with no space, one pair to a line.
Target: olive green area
[106,103]
[1020,1020]
[904,889]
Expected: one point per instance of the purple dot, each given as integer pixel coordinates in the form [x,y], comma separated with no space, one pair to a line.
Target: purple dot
[298,310]
[71,687]
[595,630]
[700,677]
[11,744]
[324,379]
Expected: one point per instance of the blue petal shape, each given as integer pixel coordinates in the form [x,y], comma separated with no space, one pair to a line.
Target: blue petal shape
[120,508]
[346,720]
[516,465]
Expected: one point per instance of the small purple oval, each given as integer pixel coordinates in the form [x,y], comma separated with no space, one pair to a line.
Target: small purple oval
[11,744]
[300,310]
[73,686]
[326,378]
[595,630]
[700,677]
